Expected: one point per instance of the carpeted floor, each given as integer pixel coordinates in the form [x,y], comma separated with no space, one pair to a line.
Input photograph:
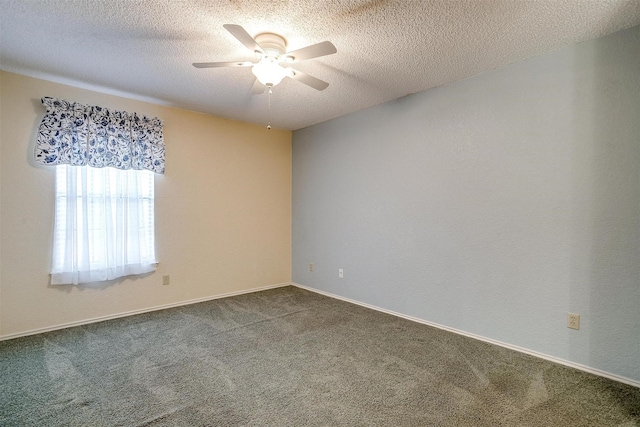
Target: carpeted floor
[288,357]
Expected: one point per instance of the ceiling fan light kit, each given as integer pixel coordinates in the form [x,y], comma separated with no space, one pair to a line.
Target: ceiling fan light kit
[269,72]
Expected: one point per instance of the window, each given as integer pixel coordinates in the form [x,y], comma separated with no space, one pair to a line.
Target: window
[104,224]
[105,162]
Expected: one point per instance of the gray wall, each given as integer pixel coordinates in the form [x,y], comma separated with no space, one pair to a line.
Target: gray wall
[494,205]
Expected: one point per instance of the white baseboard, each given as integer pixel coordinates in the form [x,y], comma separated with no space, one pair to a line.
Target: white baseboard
[134,312]
[481,338]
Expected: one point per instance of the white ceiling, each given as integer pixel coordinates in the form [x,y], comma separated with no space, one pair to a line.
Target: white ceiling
[386,48]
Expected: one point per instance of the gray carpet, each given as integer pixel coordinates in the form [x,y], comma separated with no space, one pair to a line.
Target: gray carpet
[288,357]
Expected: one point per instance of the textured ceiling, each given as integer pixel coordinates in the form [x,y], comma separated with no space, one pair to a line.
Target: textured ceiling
[386,48]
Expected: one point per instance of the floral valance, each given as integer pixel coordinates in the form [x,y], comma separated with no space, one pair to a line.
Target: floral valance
[77,134]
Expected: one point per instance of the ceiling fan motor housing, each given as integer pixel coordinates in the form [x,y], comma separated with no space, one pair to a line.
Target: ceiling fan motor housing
[272,44]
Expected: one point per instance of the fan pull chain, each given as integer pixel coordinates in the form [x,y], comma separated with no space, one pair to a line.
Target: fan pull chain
[269,114]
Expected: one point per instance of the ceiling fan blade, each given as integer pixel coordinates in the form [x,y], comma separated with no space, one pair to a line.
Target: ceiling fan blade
[257,87]
[222,64]
[309,80]
[241,34]
[313,51]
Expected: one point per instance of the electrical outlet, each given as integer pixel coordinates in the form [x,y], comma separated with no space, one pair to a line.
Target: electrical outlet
[341,273]
[166,279]
[573,321]
[310,266]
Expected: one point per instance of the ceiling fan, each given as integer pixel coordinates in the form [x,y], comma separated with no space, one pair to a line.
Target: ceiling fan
[271,51]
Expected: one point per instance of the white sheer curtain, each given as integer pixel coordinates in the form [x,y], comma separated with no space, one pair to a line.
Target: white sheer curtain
[104,225]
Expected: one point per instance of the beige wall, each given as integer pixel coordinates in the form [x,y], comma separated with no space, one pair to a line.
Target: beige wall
[223,212]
